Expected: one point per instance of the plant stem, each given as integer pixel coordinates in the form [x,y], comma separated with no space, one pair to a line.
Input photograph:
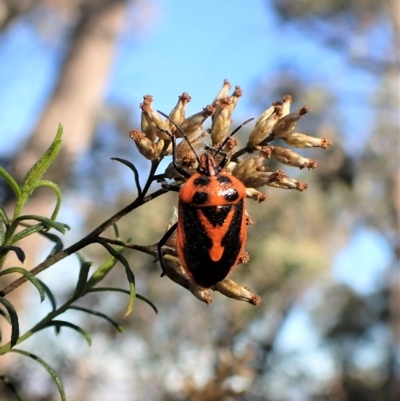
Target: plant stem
[91,237]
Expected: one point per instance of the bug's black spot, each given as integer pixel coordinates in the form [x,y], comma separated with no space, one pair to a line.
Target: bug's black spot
[216,215]
[201,181]
[223,179]
[200,198]
[231,195]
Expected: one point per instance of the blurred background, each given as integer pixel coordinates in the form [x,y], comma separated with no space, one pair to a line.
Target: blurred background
[325,261]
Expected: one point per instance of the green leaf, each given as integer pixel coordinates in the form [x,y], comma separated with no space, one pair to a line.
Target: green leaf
[129,275]
[116,231]
[147,301]
[4,217]
[29,276]
[11,182]
[14,320]
[40,167]
[8,382]
[61,227]
[28,231]
[135,172]
[54,187]
[5,315]
[112,289]
[59,246]
[49,369]
[99,314]
[63,323]
[49,294]
[18,251]
[2,233]
[102,271]
[82,280]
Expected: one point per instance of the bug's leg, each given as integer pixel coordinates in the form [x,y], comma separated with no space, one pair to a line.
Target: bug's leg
[165,185]
[160,244]
[179,169]
[170,187]
[224,160]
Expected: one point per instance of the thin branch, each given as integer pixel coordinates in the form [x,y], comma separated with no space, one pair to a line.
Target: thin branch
[90,238]
[149,249]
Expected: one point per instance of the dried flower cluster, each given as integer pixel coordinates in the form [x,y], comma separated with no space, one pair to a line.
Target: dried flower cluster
[275,122]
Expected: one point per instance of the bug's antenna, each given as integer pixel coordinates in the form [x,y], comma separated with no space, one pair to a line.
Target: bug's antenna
[183,134]
[230,135]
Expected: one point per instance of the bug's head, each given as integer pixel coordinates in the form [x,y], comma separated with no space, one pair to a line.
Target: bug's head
[208,165]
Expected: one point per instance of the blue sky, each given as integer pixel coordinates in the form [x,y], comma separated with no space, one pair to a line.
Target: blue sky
[196,45]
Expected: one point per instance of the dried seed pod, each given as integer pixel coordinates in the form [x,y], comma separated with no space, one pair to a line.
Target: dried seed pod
[221,121]
[252,166]
[149,149]
[183,148]
[232,290]
[155,121]
[178,113]
[147,129]
[288,122]
[268,112]
[245,257]
[224,90]
[176,273]
[256,195]
[193,123]
[287,183]
[287,101]
[245,166]
[235,96]
[264,126]
[290,158]
[298,140]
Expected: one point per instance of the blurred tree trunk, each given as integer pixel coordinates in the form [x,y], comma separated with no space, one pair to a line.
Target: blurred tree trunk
[74,103]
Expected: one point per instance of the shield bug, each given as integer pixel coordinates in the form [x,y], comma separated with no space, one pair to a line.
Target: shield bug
[211,226]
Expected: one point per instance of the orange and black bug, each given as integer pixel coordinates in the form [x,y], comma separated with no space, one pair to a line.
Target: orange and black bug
[211,227]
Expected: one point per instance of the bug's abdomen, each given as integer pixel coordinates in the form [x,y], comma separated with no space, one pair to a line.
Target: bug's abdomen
[210,240]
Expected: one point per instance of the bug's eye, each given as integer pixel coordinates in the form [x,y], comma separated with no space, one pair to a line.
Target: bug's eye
[199,198]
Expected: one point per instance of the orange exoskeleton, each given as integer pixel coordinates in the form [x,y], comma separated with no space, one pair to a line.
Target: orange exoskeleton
[211,226]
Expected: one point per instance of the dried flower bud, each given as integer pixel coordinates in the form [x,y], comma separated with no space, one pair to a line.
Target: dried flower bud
[246,165]
[221,121]
[149,149]
[155,121]
[287,101]
[256,195]
[224,90]
[147,129]
[185,157]
[290,158]
[298,140]
[183,148]
[244,258]
[252,166]
[177,274]
[288,122]
[264,126]
[235,96]
[287,183]
[232,290]
[178,113]
[193,123]
[249,222]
